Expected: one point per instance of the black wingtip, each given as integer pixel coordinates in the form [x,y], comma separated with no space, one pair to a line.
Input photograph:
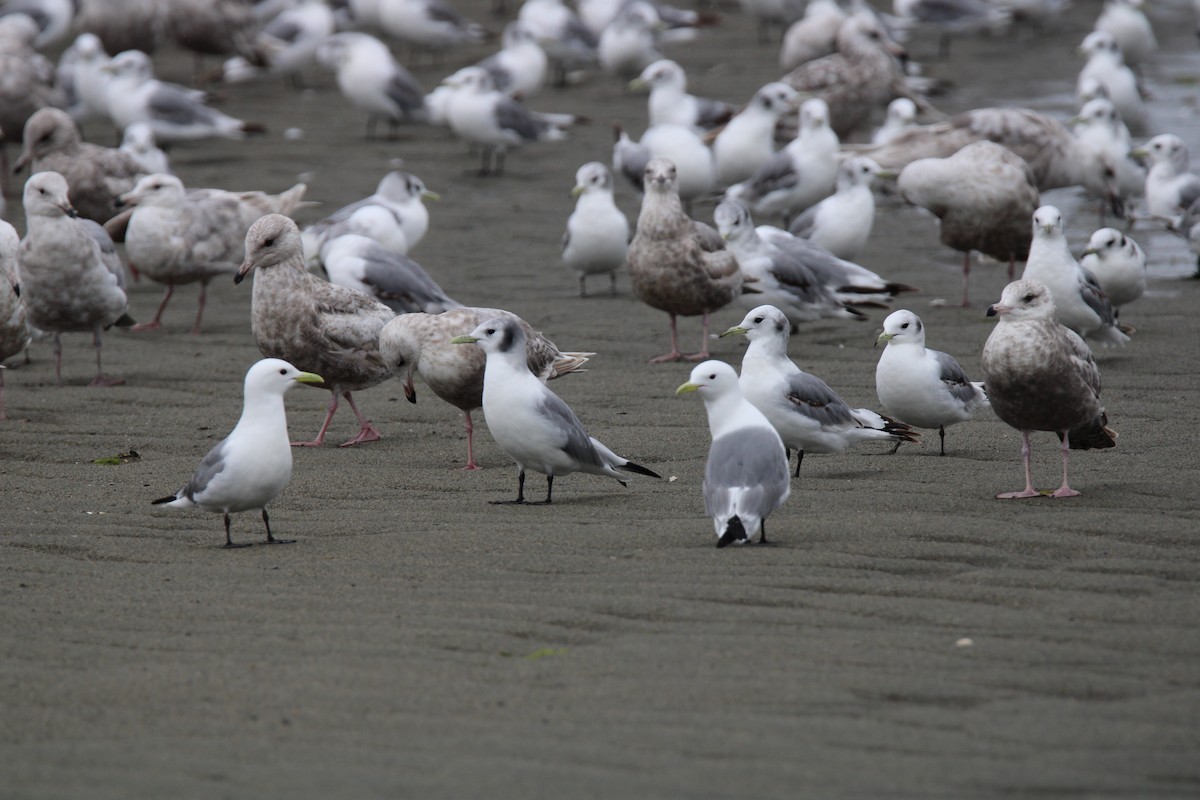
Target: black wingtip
[734,533]
[162,500]
[629,466]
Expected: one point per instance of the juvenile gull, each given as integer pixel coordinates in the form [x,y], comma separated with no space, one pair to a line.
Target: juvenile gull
[922,387]
[1170,188]
[71,278]
[1079,302]
[748,140]
[14,327]
[296,315]
[983,196]
[670,102]
[253,464]
[597,236]
[28,82]
[176,237]
[531,423]
[746,475]
[1118,264]
[371,79]
[1040,376]
[842,222]
[671,267]
[809,416]
[419,344]
[97,175]
[401,284]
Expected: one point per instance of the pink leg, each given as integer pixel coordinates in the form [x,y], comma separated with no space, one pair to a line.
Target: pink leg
[1029,490]
[366,431]
[320,440]
[703,353]
[470,441]
[101,379]
[156,323]
[966,301]
[1065,490]
[674,355]
[200,309]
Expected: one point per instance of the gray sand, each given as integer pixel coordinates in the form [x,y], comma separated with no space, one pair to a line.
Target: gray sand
[906,636]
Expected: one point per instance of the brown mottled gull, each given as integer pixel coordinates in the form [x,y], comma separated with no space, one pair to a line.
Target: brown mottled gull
[322,328]
[670,267]
[419,344]
[1040,376]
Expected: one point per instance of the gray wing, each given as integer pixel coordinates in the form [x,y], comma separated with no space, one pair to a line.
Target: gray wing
[707,237]
[1189,191]
[711,113]
[402,284]
[108,250]
[777,174]
[812,397]
[952,374]
[1094,296]
[826,268]
[405,92]
[212,464]
[749,459]
[577,444]
[630,159]
[443,12]
[501,77]
[804,224]
[283,28]
[172,104]
[512,116]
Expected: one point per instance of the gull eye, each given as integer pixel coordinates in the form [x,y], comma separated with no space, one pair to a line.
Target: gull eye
[270,242]
[904,326]
[283,370]
[712,377]
[490,331]
[757,320]
[1028,298]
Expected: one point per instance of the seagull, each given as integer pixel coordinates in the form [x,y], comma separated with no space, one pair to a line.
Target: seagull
[28,82]
[1188,227]
[1106,67]
[1170,188]
[372,80]
[597,236]
[901,115]
[746,475]
[481,115]
[562,34]
[948,17]
[747,141]
[809,416]
[681,145]
[814,35]
[1118,264]
[671,267]
[14,327]
[772,13]
[71,277]
[399,197]
[432,25]
[81,68]
[779,276]
[1125,21]
[630,42]
[284,45]
[921,387]
[519,68]
[842,222]
[296,314]
[531,423]
[1040,376]
[1079,301]
[97,175]
[1099,126]
[670,102]
[253,464]
[419,344]
[358,262]
[138,142]
[983,195]
[174,112]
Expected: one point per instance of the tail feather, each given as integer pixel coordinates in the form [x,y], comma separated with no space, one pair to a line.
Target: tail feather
[289,201]
[161,500]
[567,363]
[1093,435]
[735,533]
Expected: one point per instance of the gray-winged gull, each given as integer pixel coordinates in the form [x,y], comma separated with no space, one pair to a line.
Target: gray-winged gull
[400,195]
[1170,188]
[1106,67]
[371,79]
[670,102]
[748,140]
[597,237]
[401,284]
[842,222]
[1118,264]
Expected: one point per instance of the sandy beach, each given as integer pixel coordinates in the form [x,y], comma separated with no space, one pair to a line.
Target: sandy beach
[906,635]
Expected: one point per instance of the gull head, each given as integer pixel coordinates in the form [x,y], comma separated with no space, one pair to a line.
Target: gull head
[48,131]
[1105,242]
[859,171]
[1024,300]
[400,187]
[1166,148]
[272,240]
[46,195]
[733,221]
[276,376]
[902,327]
[131,64]
[711,379]
[1047,221]
[1098,42]
[814,114]
[592,176]
[663,72]
[764,322]
[496,335]
[661,175]
[400,349]
[776,99]
[153,190]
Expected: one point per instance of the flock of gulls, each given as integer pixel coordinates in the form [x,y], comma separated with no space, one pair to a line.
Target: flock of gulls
[793,172]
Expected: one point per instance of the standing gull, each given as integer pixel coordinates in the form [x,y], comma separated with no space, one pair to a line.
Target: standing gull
[1125,21]
[296,315]
[253,464]
[1118,264]
[842,222]
[68,279]
[922,387]
[670,267]
[431,25]
[139,144]
[531,423]
[1170,188]
[372,80]
[670,102]
[401,284]
[746,475]
[399,196]
[597,236]
[1040,376]
[1099,127]
[419,344]
[810,416]
[748,140]
[14,328]
[814,35]
[1106,68]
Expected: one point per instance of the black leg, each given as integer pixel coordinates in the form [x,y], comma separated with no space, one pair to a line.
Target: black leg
[549,491]
[897,447]
[799,458]
[271,539]
[941,433]
[762,536]
[228,541]
[520,491]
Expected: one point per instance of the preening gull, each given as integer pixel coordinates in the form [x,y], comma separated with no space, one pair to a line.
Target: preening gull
[174,112]
[842,222]
[253,464]
[399,196]
[1106,67]
[780,277]
[176,237]
[97,175]
[671,267]
[983,195]
[670,102]
[748,140]
[71,278]
[298,316]
[746,475]
[1170,188]
[1040,376]
[401,284]
[371,79]
[922,387]
[531,423]
[597,236]
[14,327]
[809,416]
[1080,303]
[419,344]
[1118,264]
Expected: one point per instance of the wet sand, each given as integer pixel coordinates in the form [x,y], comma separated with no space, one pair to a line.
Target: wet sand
[905,636]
